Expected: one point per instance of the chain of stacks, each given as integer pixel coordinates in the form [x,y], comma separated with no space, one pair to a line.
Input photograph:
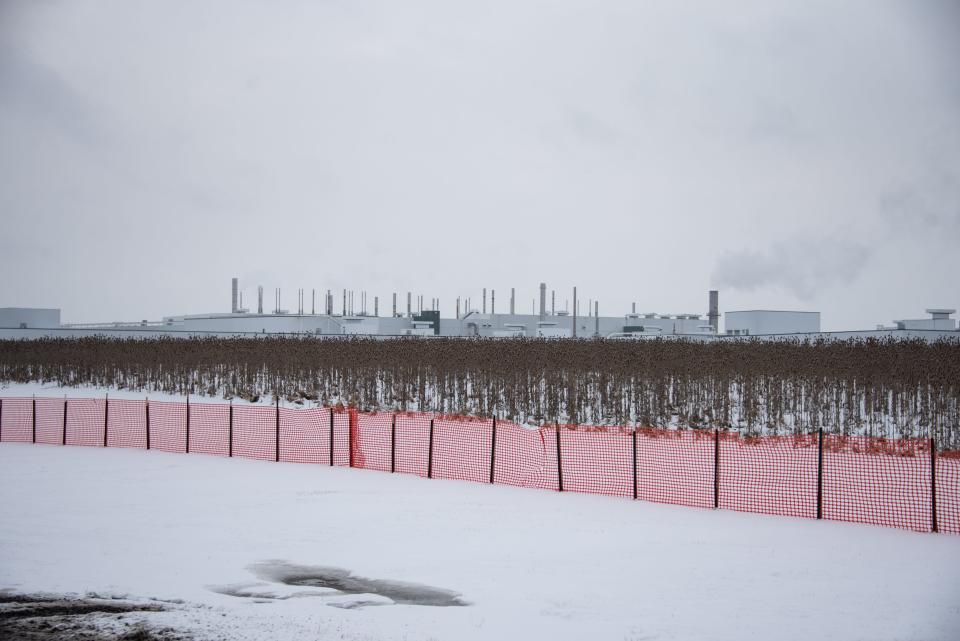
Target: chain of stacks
[880,388]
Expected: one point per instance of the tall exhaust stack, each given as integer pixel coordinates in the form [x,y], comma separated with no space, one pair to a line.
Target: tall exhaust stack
[493,301]
[260,299]
[235,287]
[574,312]
[543,300]
[484,300]
[714,314]
[513,294]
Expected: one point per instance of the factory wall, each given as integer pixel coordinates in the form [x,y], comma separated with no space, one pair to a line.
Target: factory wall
[759,322]
[159,332]
[29,317]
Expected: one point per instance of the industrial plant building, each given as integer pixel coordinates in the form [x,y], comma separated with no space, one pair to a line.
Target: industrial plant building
[351,315]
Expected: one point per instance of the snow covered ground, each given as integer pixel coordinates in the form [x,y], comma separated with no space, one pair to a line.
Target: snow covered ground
[223,535]
[53,390]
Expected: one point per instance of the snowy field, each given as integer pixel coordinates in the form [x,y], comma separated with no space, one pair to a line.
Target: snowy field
[241,543]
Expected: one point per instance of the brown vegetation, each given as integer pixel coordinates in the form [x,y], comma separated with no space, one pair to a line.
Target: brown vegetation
[879,388]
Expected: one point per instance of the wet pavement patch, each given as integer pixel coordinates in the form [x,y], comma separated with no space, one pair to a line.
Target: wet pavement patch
[335,581]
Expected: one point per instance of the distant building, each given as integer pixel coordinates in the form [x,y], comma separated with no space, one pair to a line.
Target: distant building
[939,319]
[29,318]
[759,322]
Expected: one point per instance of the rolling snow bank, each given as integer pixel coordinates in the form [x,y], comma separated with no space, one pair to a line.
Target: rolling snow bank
[263,550]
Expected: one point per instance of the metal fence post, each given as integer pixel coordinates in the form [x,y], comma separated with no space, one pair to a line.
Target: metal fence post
[493,451]
[933,483]
[106,410]
[820,474]
[64,437]
[146,409]
[716,468]
[188,425]
[350,437]
[393,443]
[34,419]
[276,449]
[559,463]
[230,431]
[331,436]
[635,481]
[430,453]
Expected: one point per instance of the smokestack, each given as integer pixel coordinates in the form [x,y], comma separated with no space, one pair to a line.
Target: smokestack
[493,301]
[409,305]
[394,304]
[714,314]
[484,300]
[458,307]
[553,302]
[543,300]
[376,305]
[313,302]
[596,318]
[574,312]
[633,309]
[260,299]
[329,303]
[513,293]
[234,307]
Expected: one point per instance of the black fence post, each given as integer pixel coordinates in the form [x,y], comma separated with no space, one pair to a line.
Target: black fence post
[106,410]
[430,453]
[933,483]
[716,468]
[146,409]
[635,480]
[393,443]
[276,449]
[820,474]
[230,431]
[559,463]
[64,437]
[493,451]
[188,425]
[34,419]
[331,436]
[349,439]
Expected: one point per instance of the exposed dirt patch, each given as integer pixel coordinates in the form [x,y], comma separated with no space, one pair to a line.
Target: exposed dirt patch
[28,617]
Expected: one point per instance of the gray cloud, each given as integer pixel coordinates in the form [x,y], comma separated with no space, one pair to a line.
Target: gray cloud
[153,150]
[804,267]
[33,91]
[933,208]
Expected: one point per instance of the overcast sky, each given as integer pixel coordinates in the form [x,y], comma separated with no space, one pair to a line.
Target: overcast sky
[794,155]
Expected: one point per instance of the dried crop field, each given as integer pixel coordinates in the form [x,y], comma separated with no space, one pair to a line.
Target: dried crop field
[872,387]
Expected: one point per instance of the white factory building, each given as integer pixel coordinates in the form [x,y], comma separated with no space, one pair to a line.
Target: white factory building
[468,321]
